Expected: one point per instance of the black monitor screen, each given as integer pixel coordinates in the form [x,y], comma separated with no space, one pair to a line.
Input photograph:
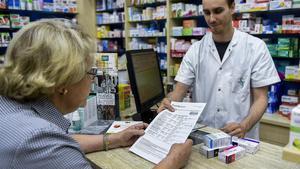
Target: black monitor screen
[145,78]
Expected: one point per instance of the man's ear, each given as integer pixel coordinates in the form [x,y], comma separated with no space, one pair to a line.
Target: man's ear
[232,8]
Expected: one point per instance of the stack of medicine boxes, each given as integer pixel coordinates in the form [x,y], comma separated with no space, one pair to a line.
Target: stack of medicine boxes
[227,148]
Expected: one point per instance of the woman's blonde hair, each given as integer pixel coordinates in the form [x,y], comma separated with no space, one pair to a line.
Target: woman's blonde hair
[43,55]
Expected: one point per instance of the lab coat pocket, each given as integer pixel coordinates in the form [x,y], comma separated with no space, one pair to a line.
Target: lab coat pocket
[240,86]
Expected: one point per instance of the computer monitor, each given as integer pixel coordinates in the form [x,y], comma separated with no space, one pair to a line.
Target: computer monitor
[146,81]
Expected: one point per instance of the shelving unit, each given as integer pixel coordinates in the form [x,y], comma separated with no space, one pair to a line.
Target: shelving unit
[110,27]
[111,10]
[112,23]
[172,21]
[31,15]
[50,14]
[136,28]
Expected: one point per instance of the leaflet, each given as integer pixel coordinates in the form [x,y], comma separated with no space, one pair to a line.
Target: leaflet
[166,129]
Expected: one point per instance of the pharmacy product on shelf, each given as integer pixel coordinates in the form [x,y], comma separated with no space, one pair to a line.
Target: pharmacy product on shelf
[295,128]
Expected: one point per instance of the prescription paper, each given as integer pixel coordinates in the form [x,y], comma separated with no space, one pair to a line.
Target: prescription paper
[166,129]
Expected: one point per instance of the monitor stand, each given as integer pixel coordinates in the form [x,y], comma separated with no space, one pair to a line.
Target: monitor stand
[146,116]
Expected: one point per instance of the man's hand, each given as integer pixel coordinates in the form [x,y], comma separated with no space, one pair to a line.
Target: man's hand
[235,129]
[165,104]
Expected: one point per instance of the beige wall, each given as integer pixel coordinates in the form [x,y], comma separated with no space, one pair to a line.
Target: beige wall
[87,16]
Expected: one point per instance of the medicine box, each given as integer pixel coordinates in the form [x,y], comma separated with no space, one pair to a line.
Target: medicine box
[280,4]
[286,110]
[292,72]
[4,21]
[177,31]
[124,96]
[295,128]
[232,154]
[210,152]
[292,100]
[189,23]
[217,140]
[251,145]
[187,31]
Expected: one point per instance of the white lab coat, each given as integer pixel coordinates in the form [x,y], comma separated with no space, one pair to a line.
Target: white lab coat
[225,86]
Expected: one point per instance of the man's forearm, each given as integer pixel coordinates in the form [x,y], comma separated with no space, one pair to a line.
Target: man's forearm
[256,112]
[179,92]
[178,97]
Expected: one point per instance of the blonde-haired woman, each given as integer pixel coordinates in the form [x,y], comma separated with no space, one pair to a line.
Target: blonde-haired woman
[47,74]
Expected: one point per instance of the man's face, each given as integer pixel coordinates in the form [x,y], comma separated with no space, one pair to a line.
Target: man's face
[218,14]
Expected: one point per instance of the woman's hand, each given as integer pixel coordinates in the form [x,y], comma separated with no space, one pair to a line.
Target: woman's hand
[178,156]
[128,136]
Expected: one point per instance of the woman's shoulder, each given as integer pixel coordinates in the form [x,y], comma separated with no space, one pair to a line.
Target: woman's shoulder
[18,120]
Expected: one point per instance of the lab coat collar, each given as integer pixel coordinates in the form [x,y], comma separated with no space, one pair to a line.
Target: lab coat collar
[233,43]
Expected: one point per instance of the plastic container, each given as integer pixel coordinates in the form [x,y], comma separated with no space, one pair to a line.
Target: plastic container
[76,123]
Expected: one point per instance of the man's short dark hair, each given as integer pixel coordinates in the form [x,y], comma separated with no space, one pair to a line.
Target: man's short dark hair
[230,2]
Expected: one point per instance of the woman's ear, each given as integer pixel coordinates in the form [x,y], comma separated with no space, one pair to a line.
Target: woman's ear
[61,90]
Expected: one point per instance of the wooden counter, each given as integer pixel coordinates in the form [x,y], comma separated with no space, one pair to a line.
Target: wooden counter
[268,157]
[274,129]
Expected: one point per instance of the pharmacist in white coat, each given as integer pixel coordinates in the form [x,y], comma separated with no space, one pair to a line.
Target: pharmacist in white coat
[230,71]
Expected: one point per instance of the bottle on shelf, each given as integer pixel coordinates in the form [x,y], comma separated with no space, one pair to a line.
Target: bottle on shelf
[76,122]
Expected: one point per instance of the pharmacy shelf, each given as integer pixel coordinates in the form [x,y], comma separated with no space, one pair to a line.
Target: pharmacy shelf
[139,49]
[122,69]
[292,80]
[114,23]
[282,35]
[117,38]
[33,15]
[145,21]
[9,29]
[289,58]
[270,12]
[155,4]
[295,35]
[111,10]
[186,1]
[188,36]
[147,36]
[188,17]
[118,51]
[30,12]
